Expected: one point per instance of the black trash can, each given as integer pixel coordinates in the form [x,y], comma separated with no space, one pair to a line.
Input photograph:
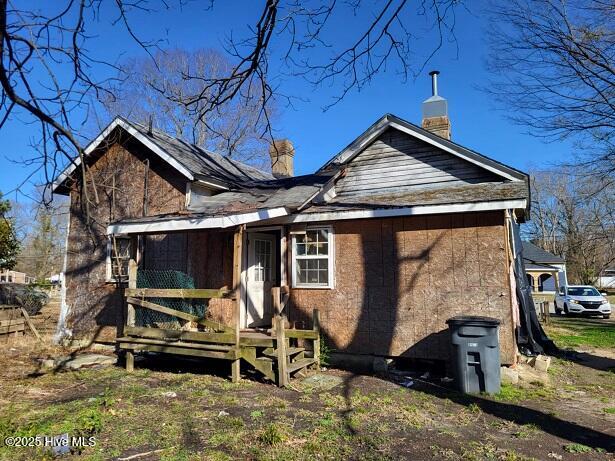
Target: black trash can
[475,353]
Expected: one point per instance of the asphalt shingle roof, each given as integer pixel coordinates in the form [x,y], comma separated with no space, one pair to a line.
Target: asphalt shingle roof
[202,162]
[536,254]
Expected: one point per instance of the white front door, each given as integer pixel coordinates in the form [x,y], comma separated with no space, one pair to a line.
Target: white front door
[260,278]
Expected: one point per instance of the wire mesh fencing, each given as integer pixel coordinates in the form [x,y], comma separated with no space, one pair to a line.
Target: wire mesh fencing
[167,279]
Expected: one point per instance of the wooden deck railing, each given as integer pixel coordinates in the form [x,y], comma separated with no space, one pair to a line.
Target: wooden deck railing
[221,341]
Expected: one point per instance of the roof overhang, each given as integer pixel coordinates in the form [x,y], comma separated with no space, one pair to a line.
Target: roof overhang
[193,223]
[126,126]
[405,211]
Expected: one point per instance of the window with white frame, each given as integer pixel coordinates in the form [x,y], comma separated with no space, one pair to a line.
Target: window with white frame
[313,258]
[118,256]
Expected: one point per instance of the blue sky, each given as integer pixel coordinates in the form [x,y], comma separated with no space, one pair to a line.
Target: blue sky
[318,135]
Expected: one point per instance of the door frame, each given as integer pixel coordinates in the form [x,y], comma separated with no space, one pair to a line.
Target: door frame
[243,282]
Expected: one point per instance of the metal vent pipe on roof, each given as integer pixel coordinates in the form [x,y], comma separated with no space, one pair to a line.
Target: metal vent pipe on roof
[434,82]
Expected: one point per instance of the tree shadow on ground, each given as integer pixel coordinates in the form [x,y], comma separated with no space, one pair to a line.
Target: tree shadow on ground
[515,413]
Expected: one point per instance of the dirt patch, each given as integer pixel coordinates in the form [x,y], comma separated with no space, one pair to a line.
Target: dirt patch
[175,409]
[173,414]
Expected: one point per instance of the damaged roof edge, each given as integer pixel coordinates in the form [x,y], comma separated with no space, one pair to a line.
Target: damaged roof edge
[281,215]
[183,224]
[405,211]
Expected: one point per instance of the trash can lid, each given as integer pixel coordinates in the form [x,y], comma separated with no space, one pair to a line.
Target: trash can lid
[474,320]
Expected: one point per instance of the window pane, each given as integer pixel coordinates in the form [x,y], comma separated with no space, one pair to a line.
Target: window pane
[300,238]
[302,271]
[322,249]
[312,276]
[323,235]
[312,236]
[300,249]
[323,277]
[311,248]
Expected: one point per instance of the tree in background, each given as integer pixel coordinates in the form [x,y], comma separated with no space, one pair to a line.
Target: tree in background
[41,231]
[552,66]
[42,251]
[9,246]
[52,69]
[573,216]
[157,88]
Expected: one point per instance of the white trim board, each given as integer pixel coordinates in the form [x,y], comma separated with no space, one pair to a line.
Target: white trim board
[118,121]
[181,224]
[280,216]
[407,211]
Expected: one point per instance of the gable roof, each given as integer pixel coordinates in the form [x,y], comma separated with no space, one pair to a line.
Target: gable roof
[537,255]
[391,121]
[314,198]
[192,162]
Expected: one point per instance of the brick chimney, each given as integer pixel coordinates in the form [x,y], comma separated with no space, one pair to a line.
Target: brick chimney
[435,111]
[282,152]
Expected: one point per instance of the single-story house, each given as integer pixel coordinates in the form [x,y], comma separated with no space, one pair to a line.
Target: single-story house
[545,271]
[392,236]
[15,277]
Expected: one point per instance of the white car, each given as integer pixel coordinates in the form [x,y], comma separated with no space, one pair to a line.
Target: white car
[582,299]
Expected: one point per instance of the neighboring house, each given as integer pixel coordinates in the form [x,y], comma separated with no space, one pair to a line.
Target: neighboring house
[395,234]
[545,271]
[607,278]
[15,277]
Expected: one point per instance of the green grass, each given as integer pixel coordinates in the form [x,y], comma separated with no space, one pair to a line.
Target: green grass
[575,332]
[577,448]
[510,393]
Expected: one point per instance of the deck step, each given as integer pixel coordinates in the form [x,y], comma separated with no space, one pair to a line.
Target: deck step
[290,351]
[299,364]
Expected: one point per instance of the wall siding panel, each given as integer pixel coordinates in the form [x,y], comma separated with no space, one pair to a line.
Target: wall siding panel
[398,280]
[397,162]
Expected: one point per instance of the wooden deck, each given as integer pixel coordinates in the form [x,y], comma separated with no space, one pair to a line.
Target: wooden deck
[277,353]
[277,356]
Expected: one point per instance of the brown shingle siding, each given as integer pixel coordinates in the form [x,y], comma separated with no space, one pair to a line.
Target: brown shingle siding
[95,307]
[398,280]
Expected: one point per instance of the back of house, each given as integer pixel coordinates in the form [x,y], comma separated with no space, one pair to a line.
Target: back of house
[395,234]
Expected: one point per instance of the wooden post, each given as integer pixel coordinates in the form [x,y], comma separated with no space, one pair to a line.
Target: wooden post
[130,308]
[316,328]
[132,283]
[283,375]
[276,304]
[130,361]
[237,256]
